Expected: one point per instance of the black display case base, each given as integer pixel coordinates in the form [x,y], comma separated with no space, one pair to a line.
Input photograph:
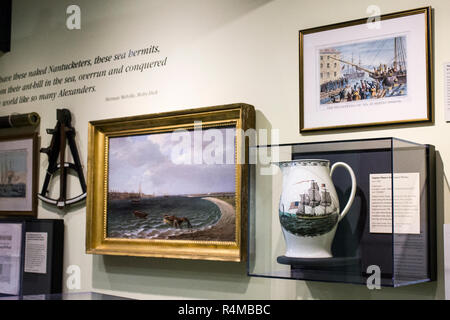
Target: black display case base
[323,268]
[320,263]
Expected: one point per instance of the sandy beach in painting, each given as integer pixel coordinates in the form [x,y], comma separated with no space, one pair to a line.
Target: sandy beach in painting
[223,230]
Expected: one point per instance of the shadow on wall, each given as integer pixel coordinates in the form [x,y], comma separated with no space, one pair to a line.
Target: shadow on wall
[430,290]
[169,277]
[261,243]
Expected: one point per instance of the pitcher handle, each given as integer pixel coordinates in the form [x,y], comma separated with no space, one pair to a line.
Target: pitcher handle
[352,193]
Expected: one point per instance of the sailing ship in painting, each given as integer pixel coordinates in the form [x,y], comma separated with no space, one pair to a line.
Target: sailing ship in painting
[136,199]
[13,174]
[382,75]
[351,72]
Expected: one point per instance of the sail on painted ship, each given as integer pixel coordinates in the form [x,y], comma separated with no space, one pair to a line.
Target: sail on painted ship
[315,202]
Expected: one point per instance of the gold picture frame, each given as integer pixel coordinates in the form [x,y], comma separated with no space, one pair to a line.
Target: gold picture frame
[149,222]
[326,92]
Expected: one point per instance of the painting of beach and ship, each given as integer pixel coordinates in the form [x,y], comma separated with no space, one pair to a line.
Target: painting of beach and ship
[13,173]
[155,193]
[368,70]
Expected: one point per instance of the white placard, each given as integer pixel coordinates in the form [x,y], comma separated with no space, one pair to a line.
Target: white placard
[36,252]
[447,260]
[10,250]
[406,203]
[447,90]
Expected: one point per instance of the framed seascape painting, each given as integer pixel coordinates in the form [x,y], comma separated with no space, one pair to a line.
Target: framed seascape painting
[170,185]
[367,72]
[18,175]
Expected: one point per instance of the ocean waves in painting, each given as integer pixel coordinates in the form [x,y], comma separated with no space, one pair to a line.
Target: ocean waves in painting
[122,222]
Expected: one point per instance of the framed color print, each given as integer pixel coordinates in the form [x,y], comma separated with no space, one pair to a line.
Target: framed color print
[367,72]
[18,175]
[170,185]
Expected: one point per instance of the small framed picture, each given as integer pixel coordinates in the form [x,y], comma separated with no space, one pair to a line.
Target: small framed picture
[18,175]
[170,185]
[367,72]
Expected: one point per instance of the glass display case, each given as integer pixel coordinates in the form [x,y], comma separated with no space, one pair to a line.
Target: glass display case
[346,211]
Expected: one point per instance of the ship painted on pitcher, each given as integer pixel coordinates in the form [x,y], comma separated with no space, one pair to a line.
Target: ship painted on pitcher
[314,203]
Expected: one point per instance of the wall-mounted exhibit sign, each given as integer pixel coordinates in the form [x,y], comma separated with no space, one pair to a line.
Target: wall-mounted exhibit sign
[36,252]
[406,203]
[47,83]
[170,185]
[11,250]
[447,91]
[31,256]
[354,74]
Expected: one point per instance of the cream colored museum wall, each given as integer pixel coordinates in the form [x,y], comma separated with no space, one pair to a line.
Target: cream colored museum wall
[219,52]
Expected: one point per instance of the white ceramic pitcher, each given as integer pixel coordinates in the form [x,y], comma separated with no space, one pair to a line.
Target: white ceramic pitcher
[309,207]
